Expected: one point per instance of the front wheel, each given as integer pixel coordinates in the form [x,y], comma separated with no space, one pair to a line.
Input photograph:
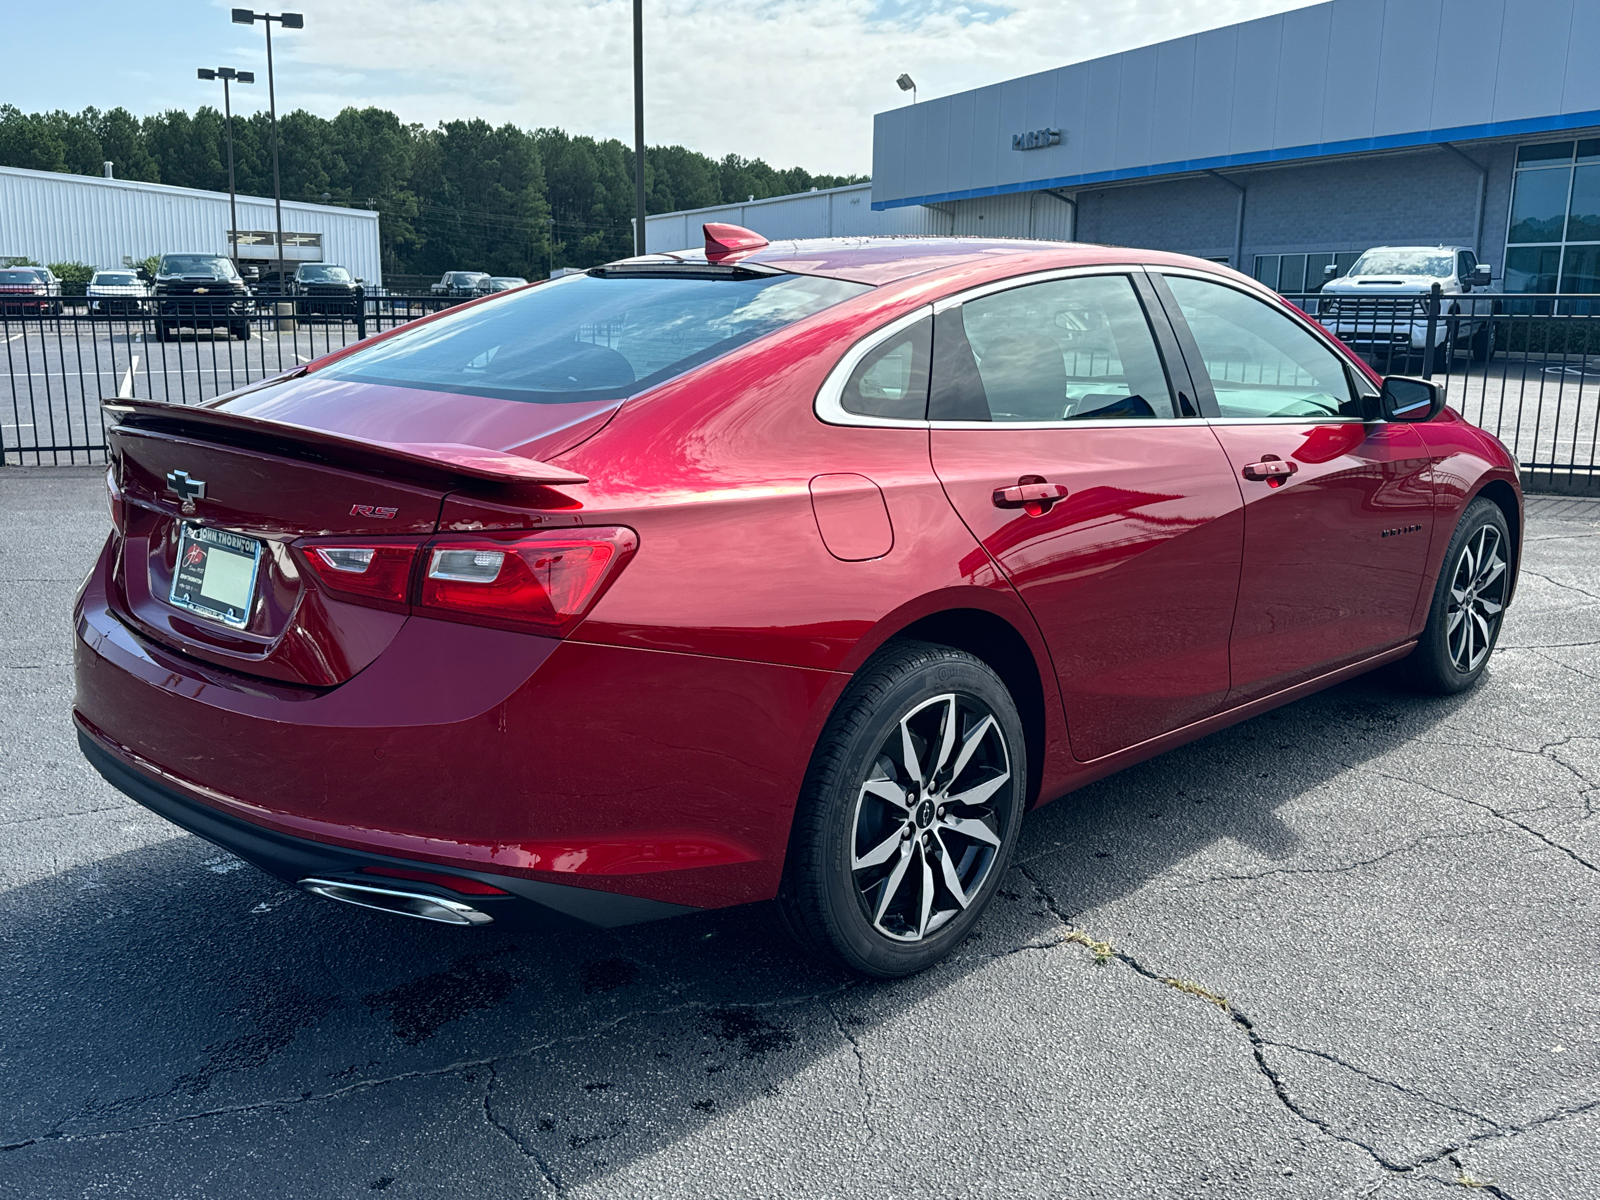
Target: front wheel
[909,813]
[1483,343]
[1469,604]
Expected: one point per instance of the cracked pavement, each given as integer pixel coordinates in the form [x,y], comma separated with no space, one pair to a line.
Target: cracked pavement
[1345,949]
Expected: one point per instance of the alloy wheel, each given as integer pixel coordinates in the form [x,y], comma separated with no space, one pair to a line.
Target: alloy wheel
[928,820]
[1476,604]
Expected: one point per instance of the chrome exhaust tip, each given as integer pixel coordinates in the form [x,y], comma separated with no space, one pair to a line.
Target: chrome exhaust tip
[422,905]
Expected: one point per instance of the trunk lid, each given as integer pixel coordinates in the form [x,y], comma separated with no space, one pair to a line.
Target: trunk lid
[226,475]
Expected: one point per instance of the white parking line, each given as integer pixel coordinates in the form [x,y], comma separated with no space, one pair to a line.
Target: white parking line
[13,337]
[125,392]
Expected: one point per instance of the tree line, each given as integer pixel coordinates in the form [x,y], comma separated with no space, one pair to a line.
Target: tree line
[463,195]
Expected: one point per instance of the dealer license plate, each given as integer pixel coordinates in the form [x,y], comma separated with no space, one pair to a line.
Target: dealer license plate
[216,574]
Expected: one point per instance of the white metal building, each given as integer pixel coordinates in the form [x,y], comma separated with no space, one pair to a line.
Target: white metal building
[833,212]
[51,217]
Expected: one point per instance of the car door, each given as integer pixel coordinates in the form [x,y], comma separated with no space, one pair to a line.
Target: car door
[1056,434]
[1338,509]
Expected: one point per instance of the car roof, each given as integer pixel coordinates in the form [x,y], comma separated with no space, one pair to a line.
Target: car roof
[881,260]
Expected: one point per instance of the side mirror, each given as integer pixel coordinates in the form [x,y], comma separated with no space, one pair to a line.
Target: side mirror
[1330,271]
[1406,399]
[144,275]
[1481,275]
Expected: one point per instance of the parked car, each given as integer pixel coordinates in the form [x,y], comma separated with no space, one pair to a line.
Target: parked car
[326,290]
[117,293]
[202,291]
[24,290]
[1381,304]
[504,283]
[809,570]
[462,283]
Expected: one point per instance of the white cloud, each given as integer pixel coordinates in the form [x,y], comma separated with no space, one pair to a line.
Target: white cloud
[793,81]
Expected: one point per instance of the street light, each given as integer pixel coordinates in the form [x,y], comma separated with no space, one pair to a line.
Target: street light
[244,16]
[229,75]
[908,84]
[638,126]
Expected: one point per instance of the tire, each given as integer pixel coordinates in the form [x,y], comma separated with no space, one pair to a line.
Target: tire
[862,887]
[166,331]
[241,330]
[1468,604]
[1441,358]
[1483,343]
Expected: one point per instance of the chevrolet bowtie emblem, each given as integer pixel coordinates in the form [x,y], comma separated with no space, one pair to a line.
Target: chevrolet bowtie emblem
[201,291]
[186,489]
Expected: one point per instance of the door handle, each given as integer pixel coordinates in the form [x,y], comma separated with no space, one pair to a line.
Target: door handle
[1273,470]
[1030,493]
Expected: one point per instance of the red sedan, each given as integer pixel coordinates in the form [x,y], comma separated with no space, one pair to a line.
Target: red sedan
[796,571]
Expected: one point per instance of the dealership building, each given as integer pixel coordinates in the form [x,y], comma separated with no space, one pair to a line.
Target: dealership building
[1281,146]
[50,217]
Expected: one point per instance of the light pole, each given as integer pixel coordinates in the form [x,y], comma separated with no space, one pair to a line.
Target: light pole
[638,126]
[244,16]
[908,84]
[227,75]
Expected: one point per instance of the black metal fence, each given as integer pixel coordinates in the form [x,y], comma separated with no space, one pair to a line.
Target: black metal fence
[1526,368]
[59,359]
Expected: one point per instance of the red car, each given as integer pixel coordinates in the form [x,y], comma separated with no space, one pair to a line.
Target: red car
[796,571]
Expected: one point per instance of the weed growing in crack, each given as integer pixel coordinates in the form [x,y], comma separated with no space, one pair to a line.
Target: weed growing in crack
[1103,952]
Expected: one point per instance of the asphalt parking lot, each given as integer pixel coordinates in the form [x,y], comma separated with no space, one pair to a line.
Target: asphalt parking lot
[1345,949]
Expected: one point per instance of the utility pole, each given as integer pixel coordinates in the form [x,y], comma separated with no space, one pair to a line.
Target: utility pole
[638,126]
[244,16]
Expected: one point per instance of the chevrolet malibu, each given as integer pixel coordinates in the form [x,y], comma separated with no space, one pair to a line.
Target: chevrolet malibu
[792,571]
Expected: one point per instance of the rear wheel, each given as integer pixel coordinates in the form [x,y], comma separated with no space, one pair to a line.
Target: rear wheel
[909,814]
[241,330]
[1468,604]
[1483,343]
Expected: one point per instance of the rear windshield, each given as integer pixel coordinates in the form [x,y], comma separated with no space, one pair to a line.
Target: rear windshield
[1405,262]
[588,337]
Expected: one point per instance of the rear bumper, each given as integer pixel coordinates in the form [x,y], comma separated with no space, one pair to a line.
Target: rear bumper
[639,774]
[292,859]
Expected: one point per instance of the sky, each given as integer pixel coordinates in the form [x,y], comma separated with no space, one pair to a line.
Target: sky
[794,82]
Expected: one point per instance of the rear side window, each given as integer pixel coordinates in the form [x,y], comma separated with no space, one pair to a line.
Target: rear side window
[892,381]
[1262,363]
[590,337]
[1066,350]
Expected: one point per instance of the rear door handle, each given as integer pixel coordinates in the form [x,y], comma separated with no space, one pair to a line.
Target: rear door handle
[1036,497]
[1273,470]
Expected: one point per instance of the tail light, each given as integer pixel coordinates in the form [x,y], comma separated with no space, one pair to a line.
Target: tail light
[119,511]
[530,582]
[377,573]
[542,582]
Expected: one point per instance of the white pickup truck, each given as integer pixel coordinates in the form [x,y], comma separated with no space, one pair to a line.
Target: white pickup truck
[1380,306]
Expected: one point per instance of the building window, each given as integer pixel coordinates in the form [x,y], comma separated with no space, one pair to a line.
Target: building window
[1553,237]
[1296,274]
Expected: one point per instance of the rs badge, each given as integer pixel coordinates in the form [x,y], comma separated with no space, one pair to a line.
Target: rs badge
[373,510]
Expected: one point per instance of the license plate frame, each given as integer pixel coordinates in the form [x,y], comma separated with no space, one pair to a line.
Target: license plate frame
[194,570]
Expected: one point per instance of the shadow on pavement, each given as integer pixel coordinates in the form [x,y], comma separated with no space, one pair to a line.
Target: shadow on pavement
[149,987]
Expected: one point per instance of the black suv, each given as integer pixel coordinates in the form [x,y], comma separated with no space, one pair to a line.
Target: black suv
[322,290]
[203,291]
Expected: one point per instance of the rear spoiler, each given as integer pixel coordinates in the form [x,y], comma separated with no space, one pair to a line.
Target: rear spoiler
[449,458]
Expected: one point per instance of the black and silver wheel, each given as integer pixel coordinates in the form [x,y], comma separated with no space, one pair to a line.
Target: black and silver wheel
[910,812]
[1469,603]
[1483,343]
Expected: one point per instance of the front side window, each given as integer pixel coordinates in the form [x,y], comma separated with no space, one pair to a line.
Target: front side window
[1067,350]
[590,337]
[1261,363]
